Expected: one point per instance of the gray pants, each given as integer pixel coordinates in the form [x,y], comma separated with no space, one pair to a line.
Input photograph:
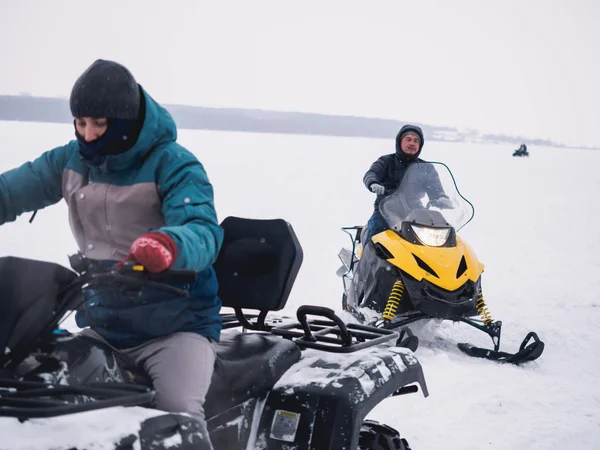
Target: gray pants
[180,366]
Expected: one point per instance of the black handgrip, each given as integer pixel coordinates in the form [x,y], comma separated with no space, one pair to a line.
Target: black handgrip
[136,270]
[304,310]
[172,276]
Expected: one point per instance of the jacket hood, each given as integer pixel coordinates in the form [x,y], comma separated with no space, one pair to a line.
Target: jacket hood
[158,128]
[409,129]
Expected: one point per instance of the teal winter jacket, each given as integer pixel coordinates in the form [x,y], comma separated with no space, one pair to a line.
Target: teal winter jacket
[156,185]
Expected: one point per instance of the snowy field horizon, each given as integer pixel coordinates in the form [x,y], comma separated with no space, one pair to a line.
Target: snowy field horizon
[534,229]
[28,108]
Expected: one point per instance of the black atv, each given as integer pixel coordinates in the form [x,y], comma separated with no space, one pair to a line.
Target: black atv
[306,384]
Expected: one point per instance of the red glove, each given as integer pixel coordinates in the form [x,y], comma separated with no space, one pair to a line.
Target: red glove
[155,251]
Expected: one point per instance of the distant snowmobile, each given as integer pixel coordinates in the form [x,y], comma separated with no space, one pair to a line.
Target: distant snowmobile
[420,268]
[521,151]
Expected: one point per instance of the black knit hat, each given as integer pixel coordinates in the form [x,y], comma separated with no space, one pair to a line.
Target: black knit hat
[106,89]
[409,129]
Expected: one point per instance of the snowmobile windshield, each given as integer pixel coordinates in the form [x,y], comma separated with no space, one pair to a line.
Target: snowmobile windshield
[426,186]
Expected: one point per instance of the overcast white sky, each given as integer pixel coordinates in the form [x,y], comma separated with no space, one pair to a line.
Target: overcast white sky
[512,67]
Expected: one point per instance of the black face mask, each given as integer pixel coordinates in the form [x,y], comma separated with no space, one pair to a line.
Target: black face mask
[120,136]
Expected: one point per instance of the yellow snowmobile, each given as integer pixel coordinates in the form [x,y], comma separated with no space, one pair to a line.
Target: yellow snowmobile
[420,268]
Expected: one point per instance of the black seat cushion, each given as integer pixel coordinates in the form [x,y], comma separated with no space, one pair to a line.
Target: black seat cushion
[248,365]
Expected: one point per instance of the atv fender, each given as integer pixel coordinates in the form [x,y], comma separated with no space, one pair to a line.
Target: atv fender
[322,401]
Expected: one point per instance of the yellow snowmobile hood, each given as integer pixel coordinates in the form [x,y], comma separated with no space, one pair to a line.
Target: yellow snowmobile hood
[438,265]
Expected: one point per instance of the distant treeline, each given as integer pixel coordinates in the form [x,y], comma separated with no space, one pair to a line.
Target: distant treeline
[42,109]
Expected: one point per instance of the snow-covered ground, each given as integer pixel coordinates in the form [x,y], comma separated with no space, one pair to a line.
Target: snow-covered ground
[535,228]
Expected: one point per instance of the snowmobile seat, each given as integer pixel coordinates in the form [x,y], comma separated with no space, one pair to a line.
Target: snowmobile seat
[248,366]
[258,263]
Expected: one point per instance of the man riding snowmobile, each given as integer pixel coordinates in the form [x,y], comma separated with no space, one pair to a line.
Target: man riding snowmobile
[521,151]
[387,172]
[413,265]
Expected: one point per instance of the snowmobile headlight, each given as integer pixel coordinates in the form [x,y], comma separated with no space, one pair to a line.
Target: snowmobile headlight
[433,237]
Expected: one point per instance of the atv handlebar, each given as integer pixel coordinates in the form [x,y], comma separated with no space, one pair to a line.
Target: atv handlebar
[93,273]
[167,276]
[131,269]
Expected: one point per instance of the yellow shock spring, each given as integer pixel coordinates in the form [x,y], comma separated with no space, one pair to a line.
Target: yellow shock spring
[393,301]
[482,309]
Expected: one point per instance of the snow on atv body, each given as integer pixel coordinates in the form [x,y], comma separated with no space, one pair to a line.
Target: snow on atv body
[420,268]
[307,384]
